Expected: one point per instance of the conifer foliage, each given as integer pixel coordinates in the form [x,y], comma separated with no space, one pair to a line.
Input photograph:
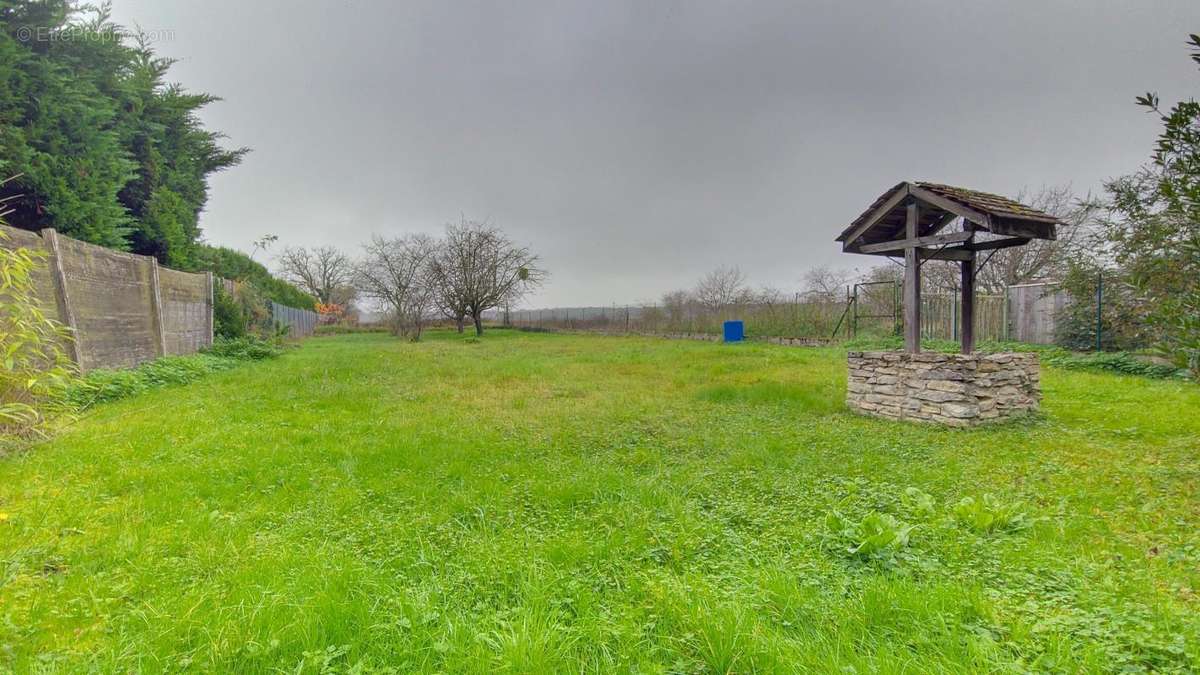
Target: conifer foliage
[105,148]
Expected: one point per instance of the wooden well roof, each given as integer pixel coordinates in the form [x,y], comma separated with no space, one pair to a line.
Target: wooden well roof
[884,219]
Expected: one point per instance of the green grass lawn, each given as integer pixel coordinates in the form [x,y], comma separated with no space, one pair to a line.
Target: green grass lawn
[552,503]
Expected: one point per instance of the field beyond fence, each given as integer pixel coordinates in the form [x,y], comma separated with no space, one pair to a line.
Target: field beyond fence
[1025,313]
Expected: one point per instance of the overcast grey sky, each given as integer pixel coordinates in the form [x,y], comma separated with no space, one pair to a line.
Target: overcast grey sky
[637,145]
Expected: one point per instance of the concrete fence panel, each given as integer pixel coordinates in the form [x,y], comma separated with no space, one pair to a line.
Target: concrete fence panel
[112,299]
[43,277]
[186,310]
[122,308]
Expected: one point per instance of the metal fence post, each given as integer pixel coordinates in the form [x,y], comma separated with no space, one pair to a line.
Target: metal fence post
[954,312]
[1004,316]
[895,308]
[1099,309]
[853,300]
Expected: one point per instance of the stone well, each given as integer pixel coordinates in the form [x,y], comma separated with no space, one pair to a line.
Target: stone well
[952,389]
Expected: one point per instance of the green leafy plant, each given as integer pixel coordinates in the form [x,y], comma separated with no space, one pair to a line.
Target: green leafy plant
[876,535]
[989,514]
[100,386]
[919,503]
[1114,362]
[1153,229]
[34,368]
[228,321]
[246,348]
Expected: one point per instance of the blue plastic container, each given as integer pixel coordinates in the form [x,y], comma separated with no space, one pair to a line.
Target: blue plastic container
[735,331]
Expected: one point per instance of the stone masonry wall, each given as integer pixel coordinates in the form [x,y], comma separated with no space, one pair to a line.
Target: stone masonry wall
[951,389]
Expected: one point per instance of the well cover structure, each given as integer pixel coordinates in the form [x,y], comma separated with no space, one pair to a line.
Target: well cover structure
[920,221]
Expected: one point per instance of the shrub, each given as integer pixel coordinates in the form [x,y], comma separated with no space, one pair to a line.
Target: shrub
[34,368]
[230,264]
[245,348]
[228,321]
[1123,324]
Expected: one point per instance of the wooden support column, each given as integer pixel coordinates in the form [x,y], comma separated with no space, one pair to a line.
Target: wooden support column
[912,282]
[967,321]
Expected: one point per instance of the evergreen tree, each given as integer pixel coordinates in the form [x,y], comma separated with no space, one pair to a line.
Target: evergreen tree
[106,150]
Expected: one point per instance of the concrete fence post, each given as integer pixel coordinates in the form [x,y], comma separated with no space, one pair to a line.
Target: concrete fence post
[208,279]
[62,296]
[160,334]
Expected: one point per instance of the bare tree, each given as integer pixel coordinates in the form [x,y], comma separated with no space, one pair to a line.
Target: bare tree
[826,284]
[396,273]
[319,271]
[1043,258]
[722,288]
[263,243]
[448,279]
[1037,260]
[478,268]
[675,306]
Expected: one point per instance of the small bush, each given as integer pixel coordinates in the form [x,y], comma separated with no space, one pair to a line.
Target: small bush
[989,514]
[228,321]
[245,348]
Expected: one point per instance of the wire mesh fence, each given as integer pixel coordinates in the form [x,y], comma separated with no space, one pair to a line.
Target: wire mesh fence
[873,308]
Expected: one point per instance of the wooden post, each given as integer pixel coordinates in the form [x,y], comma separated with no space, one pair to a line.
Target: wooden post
[967,321]
[156,309]
[66,313]
[912,283]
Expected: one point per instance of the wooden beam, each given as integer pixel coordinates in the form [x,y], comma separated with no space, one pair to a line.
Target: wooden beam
[997,243]
[934,199]
[967,330]
[877,215]
[912,282]
[931,240]
[953,253]
[945,220]
[1023,228]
